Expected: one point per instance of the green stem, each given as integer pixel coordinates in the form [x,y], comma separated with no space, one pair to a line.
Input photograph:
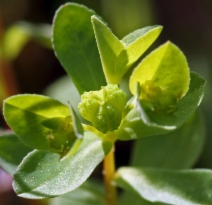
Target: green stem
[108,172]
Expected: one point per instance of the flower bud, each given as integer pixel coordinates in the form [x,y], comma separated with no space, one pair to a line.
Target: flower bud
[161,99]
[103,108]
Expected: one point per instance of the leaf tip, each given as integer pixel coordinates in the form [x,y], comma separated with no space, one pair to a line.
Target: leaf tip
[94,17]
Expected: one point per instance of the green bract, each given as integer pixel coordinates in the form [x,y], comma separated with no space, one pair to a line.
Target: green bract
[103,108]
[164,77]
[41,122]
[117,56]
[165,97]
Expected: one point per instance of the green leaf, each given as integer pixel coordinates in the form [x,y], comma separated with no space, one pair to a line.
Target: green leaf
[186,106]
[12,151]
[117,56]
[144,116]
[193,98]
[39,121]
[109,47]
[133,198]
[167,186]
[78,129]
[176,150]
[79,132]
[133,127]
[89,193]
[163,76]
[42,175]
[75,46]
[137,42]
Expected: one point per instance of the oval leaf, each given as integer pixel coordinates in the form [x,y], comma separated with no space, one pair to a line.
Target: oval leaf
[134,127]
[12,151]
[75,46]
[163,75]
[42,175]
[89,193]
[162,151]
[35,118]
[167,186]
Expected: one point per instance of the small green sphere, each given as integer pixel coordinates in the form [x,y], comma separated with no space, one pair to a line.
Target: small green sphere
[103,108]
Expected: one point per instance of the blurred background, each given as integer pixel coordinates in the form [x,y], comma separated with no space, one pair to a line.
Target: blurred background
[28,64]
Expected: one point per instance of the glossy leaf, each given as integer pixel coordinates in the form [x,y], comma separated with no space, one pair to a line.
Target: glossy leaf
[167,186]
[117,56]
[12,151]
[89,193]
[163,75]
[177,150]
[34,118]
[75,46]
[133,127]
[42,175]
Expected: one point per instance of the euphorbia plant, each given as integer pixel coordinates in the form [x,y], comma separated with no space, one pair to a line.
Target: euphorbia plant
[165,95]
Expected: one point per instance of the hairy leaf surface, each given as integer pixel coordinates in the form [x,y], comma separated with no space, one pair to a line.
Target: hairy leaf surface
[43,175]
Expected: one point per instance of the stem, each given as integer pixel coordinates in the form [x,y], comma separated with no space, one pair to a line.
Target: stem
[108,172]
